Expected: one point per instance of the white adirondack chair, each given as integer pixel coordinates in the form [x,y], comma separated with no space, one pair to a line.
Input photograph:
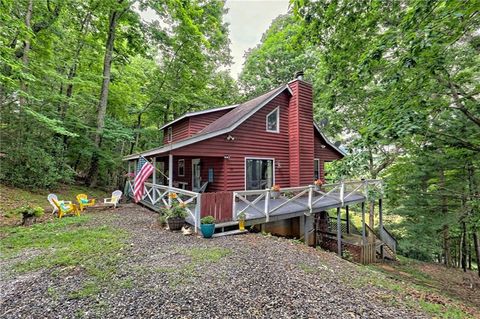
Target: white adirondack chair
[52,197]
[114,200]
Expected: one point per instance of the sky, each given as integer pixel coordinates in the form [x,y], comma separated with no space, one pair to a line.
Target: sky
[248,20]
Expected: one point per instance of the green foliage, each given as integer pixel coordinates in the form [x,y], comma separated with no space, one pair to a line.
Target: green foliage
[207,220]
[26,212]
[176,209]
[49,90]
[399,81]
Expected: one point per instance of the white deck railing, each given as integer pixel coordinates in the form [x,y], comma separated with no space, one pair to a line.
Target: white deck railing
[158,195]
[260,200]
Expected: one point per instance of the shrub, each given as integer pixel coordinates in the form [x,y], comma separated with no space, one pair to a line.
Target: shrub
[175,210]
[29,213]
[207,220]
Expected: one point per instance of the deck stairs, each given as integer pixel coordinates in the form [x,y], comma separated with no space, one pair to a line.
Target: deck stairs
[354,236]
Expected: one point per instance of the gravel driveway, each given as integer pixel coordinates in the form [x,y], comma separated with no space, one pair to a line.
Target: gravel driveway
[168,275]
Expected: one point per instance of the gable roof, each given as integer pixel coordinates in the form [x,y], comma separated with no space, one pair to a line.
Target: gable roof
[190,114]
[222,125]
[338,149]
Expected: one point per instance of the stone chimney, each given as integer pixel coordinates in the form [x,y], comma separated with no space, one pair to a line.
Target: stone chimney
[301,135]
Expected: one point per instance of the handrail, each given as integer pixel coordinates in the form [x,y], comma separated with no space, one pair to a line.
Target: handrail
[154,194]
[337,191]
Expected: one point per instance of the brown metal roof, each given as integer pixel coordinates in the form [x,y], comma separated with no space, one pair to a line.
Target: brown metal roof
[239,112]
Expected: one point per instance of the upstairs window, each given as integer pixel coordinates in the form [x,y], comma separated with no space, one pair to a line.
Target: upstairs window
[273,121]
[169,134]
[181,167]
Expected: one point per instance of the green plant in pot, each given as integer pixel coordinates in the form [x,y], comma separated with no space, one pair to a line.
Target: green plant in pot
[29,214]
[175,214]
[207,226]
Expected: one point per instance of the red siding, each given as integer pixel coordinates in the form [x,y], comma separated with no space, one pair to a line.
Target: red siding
[179,131]
[324,154]
[199,122]
[251,140]
[301,134]
[191,125]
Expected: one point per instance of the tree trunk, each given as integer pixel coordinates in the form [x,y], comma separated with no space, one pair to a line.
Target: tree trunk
[446,228]
[26,48]
[464,247]
[476,244]
[102,105]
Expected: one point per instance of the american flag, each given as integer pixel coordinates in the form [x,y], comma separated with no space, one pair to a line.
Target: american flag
[144,170]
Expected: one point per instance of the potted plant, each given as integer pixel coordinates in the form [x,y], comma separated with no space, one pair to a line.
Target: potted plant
[175,214]
[207,226]
[29,214]
[275,191]
[241,221]
[318,184]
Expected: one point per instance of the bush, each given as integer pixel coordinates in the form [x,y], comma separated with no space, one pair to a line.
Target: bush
[207,220]
[176,210]
[29,213]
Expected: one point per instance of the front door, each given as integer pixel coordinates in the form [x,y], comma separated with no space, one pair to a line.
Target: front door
[258,173]
[196,177]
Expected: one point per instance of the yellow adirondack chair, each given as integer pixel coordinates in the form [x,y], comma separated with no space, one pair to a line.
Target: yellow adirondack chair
[83,201]
[65,208]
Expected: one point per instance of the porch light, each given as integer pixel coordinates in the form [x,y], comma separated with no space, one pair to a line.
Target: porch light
[226,156]
[322,146]
[230,138]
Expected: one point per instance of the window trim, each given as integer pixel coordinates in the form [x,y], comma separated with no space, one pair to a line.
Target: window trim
[257,158]
[277,109]
[316,164]
[178,168]
[169,134]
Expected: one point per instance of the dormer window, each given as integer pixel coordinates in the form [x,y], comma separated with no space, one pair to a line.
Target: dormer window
[169,135]
[273,121]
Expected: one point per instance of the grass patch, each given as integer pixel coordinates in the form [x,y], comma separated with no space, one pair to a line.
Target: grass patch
[65,245]
[203,255]
[12,197]
[441,311]
[307,268]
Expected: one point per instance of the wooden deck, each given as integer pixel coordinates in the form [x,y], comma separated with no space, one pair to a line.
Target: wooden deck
[294,208]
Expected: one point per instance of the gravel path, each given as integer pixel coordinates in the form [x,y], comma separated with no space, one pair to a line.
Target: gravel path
[168,275]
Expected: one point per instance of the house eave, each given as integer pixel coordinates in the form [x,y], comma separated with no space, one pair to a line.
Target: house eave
[190,114]
[339,150]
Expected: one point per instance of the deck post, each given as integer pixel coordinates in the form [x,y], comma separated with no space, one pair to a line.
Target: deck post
[339,233]
[170,176]
[364,239]
[154,180]
[267,205]
[380,218]
[342,191]
[307,228]
[197,211]
[310,197]
[234,207]
[348,219]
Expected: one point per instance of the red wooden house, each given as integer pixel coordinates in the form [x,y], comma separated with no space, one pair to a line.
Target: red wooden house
[224,162]
[271,139]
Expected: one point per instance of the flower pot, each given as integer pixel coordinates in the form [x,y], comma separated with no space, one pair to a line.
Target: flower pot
[175,223]
[275,194]
[207,230]
[241,224]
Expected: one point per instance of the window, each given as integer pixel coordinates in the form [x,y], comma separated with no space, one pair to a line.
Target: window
[273,119]
[316,169]
[181,167]
[169,134]
[259,173]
